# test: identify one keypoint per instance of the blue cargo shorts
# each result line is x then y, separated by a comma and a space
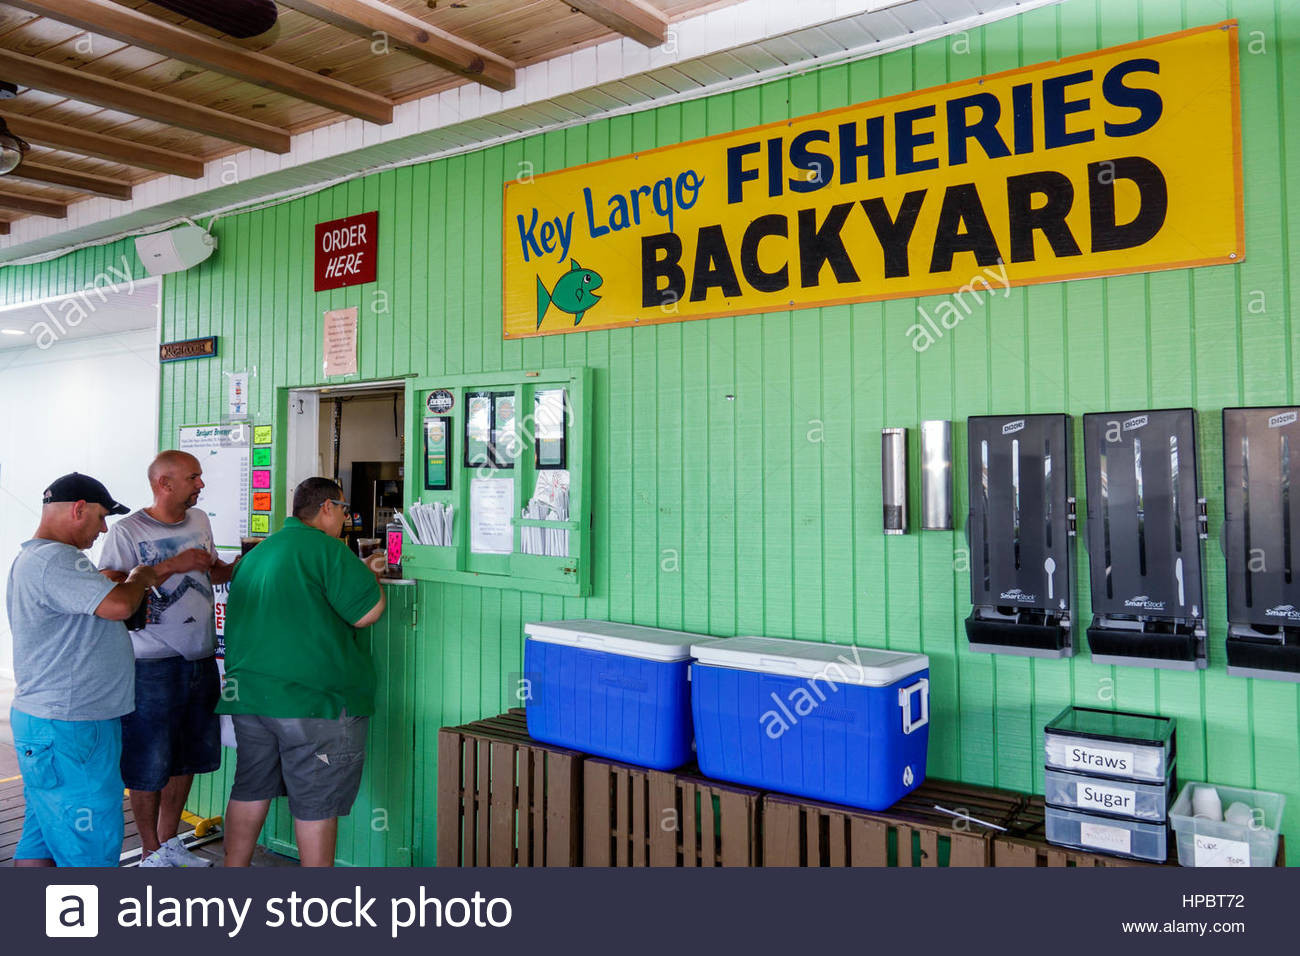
72, 784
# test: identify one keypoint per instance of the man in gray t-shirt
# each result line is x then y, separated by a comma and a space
173, 732
72, 659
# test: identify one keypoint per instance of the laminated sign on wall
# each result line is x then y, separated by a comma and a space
340, 356
1124, 160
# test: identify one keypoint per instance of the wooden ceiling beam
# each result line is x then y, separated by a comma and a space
112, 95
69, 139
37, 207
376, 21
81, 182
632, 18
131, 26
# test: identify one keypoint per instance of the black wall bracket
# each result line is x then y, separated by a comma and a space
1021, 530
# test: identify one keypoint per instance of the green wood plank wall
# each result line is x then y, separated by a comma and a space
759, 513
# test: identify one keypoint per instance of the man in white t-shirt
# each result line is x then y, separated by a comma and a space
173, 733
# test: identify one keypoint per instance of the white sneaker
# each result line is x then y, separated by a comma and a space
174, 852
156, 858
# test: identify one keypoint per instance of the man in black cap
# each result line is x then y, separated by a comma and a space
76, 674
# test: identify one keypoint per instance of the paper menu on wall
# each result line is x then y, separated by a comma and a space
491, 507
222, 451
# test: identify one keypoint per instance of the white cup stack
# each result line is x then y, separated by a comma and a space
1206, 804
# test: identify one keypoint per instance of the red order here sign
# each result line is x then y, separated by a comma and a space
345, 251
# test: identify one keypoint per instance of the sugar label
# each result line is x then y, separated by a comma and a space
1097, 759
1090, 796
1213, 851
1101, 837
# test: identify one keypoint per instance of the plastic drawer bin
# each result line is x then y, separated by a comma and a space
832, 722
613, 690
1108, 743
1112, 835
1120, 798
1203, 842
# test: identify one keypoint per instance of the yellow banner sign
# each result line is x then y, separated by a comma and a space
1124, 160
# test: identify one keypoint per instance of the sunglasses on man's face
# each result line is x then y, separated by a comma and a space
338, 503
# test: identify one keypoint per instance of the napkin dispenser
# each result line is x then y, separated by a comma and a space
1020, 530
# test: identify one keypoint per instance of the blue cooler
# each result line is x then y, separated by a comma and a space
614, 690
829, 721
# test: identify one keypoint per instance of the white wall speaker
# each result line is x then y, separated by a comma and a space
175, 250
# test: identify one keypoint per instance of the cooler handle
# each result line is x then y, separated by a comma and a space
905, 695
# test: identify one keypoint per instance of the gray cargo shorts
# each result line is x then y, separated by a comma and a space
316, 762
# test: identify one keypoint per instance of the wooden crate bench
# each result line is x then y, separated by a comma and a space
633, 816
802, 832
504, 799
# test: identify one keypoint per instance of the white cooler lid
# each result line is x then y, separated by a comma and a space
629, 640
864, 666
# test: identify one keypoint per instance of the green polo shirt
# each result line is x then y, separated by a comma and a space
291, 649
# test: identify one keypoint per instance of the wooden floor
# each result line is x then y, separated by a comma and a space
13, 806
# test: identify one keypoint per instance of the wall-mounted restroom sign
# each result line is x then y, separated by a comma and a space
440, 401
188, 349
345, 251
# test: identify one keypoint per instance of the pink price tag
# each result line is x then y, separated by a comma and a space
262, 479
394, 547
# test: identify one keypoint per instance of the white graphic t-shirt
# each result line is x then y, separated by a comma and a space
181, 621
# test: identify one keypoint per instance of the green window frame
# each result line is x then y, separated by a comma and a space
457, 563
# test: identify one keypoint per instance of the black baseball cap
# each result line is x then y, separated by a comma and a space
76, 487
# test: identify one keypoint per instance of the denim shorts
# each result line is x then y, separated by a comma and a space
173, 731
316, 761
72, 787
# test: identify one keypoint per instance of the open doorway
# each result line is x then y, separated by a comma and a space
353, 434
78, 392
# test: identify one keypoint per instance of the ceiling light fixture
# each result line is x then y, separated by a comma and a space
12, 332
12, 149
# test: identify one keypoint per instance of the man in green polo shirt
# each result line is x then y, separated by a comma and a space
299, 687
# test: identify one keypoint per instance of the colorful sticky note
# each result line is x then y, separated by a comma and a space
262, 479
261, 458
260, 524
261, 434
261, 501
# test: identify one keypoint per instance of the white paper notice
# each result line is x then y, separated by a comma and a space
1101, 837
1212, 851
341, 341
491, 507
